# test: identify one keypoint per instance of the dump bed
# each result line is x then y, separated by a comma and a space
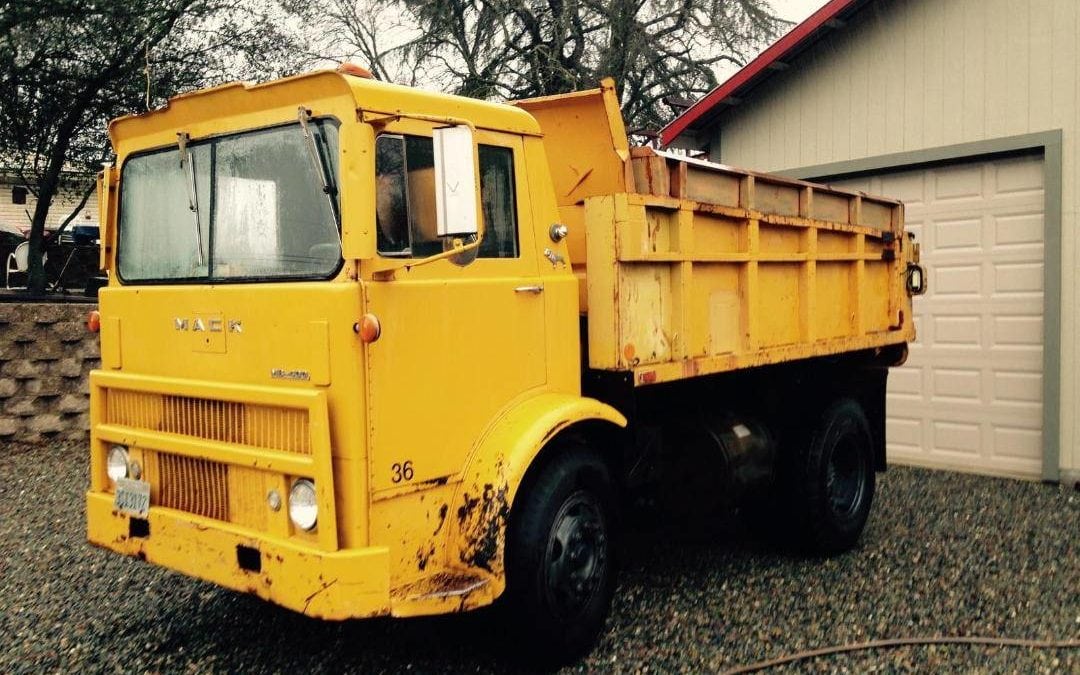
688, 267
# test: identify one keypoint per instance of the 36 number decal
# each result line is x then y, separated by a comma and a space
402, 471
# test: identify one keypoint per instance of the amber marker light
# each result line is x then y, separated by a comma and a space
369, 328
93, 321
353, 69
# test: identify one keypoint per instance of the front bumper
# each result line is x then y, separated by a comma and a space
342, 584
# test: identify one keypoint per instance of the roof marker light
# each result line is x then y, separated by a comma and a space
353, 69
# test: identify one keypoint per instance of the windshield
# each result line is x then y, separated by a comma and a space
258, 210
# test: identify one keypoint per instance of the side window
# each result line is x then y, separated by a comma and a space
498, 204
405, 198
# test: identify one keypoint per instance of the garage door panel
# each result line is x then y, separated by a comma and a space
1020, 331
1003, 359
964, 234
1023, 228
956, 183
961, 330
1019, 175
1018, 277
1017, 443
955, 437
969, 410
906, 432
967, 210
1002, 257
906, 381
909, 187
1014, 386
970, 395
963, 384
956, 279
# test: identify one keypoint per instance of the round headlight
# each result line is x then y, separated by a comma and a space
118, 462
303, 508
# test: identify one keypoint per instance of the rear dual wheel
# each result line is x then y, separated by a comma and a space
830, 479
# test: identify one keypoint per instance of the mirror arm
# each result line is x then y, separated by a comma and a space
386, 268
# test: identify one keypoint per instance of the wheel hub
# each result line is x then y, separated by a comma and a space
845, 478
576, 554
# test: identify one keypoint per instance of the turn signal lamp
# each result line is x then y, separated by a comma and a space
369, 328
93, 321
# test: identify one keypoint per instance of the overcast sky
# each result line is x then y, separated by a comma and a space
796, 10
792, 10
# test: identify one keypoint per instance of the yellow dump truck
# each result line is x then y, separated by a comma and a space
370, 350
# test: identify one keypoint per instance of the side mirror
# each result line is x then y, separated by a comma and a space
456, 202
106, 192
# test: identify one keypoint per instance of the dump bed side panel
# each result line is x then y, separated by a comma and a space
706, 268
695, 268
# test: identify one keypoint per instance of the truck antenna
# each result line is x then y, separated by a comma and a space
146, 69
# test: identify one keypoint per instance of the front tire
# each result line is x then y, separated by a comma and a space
560, 570
832, 488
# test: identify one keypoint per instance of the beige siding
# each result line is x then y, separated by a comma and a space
908, 75
63, 204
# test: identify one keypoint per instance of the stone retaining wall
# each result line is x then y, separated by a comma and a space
46, 355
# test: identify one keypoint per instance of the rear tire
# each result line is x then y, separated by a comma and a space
559, 558
831, 488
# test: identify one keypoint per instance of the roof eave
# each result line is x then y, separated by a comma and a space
762, 67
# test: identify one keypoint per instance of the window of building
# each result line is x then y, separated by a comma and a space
18, 194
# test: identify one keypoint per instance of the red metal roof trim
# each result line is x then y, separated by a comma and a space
777, 51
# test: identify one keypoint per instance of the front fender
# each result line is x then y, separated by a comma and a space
496, 468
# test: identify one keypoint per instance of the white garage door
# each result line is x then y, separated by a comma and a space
970, 396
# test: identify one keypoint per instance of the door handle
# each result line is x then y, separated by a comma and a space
535, 290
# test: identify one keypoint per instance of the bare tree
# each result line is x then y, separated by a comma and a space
373, 33
68, 66
655, 49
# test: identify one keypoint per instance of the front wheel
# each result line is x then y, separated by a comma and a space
832, 487
560, 569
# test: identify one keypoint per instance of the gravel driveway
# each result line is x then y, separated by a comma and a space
944, 554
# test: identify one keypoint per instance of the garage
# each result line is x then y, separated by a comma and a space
968, 113
970, 395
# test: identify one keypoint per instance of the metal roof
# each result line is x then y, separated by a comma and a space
714, 104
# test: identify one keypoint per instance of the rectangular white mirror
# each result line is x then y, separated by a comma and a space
455, 182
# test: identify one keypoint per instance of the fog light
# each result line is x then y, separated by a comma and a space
117, 466
303, 507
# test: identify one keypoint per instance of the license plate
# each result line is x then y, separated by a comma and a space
132, 497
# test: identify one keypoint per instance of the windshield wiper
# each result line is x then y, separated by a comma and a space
182, 139
315, 152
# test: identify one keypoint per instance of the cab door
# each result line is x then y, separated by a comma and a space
459, 342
